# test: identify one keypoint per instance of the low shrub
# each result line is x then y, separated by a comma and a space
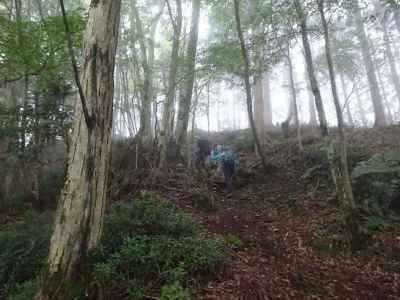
158, 256
377, 182
24, 291
317, 161
24, 249
150, 239
174, 291
233, 241
147, 215
147, 239
375, 224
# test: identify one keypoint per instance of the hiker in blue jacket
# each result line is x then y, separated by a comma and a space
227, 162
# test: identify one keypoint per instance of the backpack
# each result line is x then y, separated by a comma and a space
230, 157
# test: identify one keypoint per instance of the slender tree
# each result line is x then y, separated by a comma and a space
310, 68
167, 117
294, 99
79, 218
311, 104
259, 108
340, 169
380, 119
147, 62
246, 77
185, 97
394, 76
268, 101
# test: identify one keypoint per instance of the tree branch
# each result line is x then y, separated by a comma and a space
88, 117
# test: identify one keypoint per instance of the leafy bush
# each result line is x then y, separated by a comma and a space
146, 239
146, 256
149, 239
144, 216
24, 291
317, 160
375, 224
24, 248
377, 181
233, 241
174, 291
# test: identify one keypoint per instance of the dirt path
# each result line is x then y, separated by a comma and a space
282, 228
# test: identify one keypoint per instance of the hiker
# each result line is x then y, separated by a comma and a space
227, 162
203, 152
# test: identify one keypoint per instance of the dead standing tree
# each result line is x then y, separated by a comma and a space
80, 212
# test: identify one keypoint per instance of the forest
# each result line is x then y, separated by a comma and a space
199, 149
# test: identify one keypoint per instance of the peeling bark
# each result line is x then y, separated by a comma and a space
79, 217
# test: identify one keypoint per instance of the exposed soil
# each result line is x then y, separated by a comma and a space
284, 233
293, 243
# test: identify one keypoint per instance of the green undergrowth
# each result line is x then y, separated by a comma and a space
23, 250
146, 240
150, 239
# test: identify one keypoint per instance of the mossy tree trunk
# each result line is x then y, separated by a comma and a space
79, 217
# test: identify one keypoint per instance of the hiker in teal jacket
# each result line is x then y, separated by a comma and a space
227, 161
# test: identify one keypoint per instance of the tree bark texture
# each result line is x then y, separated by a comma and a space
259, 109
185, 97
167, 116
268, 101
79, 217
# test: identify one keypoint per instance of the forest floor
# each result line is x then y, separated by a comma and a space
289, 243
284, 229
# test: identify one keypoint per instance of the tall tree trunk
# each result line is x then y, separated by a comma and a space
392, 62
360, 105
268, 101
285, 126
346, 101
117, 111
18, 10
397, 18
167, 117
79, 218
294, 99
247, 84
147, 58
385, 97
310, 68
380, 119
311, 104
339, 168
259, 109
185, 97
192, 133
208, 107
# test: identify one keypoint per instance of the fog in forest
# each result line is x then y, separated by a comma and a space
199, 149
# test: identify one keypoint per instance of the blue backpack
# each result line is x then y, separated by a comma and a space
230, 157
